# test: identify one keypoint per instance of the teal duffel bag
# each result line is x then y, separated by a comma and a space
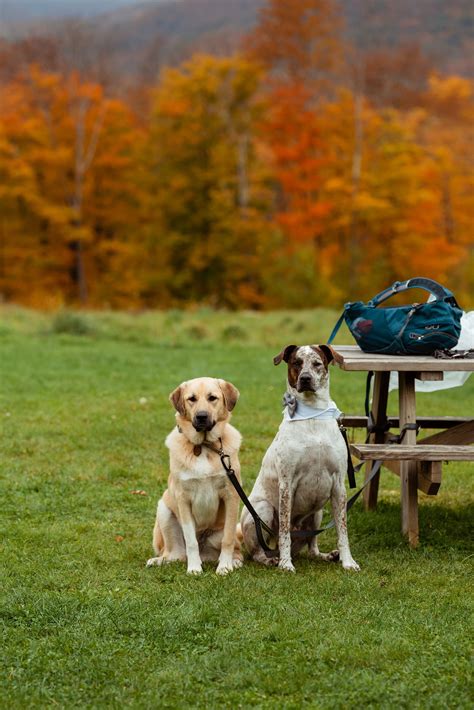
419, 329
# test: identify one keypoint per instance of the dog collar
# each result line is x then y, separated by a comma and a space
295, 410
197, 448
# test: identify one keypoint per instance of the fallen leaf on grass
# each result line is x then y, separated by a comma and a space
139, 493
119, 538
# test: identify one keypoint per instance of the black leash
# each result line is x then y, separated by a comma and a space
259, 523
350, 465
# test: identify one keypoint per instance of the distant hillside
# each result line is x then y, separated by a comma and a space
174, 30
444, 29
142, 36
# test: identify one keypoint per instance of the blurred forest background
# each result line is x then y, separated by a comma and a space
234, 153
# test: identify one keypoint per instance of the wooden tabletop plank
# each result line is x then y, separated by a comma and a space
355, 359
418, 452
357, 421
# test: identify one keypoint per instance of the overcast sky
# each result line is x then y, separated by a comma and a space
27, 9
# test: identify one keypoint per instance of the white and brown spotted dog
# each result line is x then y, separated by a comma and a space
305, 465
196, 518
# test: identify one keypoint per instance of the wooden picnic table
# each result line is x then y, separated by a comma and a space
417, 463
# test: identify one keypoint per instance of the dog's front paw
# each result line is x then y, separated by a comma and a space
332, 556
194, 569
351, 565
237, 563
262, 559
224, 568
286, 565
155, 561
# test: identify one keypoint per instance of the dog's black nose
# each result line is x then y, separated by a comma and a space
202, 421
305, 379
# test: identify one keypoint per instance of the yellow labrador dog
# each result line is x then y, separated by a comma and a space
196, 518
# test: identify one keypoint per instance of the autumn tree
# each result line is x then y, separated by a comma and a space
56, 136
31, 271
298, 42
299, 45
398, 207
396, 77
445, 134
208, 191
298, 155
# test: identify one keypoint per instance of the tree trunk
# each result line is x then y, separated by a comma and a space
79, 271
242, 170
356, 176
447, 208
84, 155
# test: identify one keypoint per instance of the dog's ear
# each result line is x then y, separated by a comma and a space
328, 353
177, 400
231, 394
284, 355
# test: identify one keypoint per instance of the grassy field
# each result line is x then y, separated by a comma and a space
84, 411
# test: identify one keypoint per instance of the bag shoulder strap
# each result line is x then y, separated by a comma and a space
439, 291
335, 329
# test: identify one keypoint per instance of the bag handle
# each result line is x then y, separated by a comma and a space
440, 292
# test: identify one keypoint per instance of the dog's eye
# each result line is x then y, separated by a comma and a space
316, 363
193, 398
298, 363
212, 398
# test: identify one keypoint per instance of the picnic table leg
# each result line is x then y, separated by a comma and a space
379, 411
408, 469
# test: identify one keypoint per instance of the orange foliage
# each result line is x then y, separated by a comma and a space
65, 156
298, 156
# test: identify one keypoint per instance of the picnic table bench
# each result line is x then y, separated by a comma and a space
419, 464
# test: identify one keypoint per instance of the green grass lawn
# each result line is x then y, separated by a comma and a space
84, 412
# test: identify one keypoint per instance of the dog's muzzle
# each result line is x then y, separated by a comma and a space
202, 421
305, 383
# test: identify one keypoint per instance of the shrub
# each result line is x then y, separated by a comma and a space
70, 323
196, 332
234, 332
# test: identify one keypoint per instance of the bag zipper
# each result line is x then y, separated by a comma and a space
415, 336
408, 318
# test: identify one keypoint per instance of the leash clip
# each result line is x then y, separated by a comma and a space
225, 460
